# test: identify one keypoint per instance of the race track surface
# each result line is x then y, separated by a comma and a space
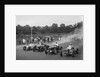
30, 55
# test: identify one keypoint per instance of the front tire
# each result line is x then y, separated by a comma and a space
77, 51
46, 52
61, 54
55, 52
33, 49
72, 55
24, 48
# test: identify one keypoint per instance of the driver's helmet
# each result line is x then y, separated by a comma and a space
30, 44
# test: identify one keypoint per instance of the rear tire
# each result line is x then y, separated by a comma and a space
46, 52
55, 52
24, 48
33, 49
73, 55
77, 51
29, 48
61, 54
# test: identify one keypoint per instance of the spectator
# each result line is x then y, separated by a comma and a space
56, 44
23, 41
70, 47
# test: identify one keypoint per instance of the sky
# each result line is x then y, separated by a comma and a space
43, 20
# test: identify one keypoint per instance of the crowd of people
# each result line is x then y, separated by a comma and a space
41, 41
36, 39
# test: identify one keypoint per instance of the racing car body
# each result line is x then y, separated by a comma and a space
70, 52
53, 50
40, 48
28, 47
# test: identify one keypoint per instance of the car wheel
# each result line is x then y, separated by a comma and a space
46, 52
77, 51
29, 48
55, 51
73, 55
33, 49
24, 48
61, 54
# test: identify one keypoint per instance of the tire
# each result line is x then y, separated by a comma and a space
33, 49
38, 49
43, 49
55, 52
46, 52
73, 55
29, 48
24, 48
61, 54
77, 51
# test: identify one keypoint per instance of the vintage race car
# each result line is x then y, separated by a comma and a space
53, 50
40, 48
70, 52
28, 47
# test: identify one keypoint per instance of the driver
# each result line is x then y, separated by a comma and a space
70, 47
56, 44
41, 42
30, 44
24, 41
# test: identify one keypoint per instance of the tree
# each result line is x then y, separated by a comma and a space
48, 29
18, 29
79, 24
34, 30
62, 28
26, 29
54, 28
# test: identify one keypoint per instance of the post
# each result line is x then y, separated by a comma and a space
31, 34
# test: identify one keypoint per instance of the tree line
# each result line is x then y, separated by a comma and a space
54, 28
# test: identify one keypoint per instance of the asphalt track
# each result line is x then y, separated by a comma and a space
30, 55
